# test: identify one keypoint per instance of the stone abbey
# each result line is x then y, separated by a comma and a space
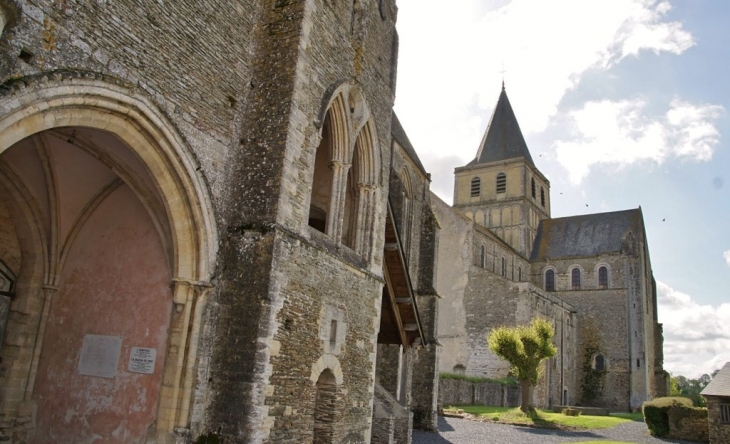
213, 228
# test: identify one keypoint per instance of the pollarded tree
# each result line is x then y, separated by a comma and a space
524, 347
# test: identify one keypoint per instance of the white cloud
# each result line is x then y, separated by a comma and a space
451, 58
726, 255
619, 133
696, 337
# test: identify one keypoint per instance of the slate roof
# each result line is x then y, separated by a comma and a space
503, 139
720, 384
399, 134
586, 235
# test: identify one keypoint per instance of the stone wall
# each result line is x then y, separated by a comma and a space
462, 392
245, 83
392, 423
719, 432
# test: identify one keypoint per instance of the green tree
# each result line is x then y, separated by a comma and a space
524, 347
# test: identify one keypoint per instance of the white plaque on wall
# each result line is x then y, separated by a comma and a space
142, 360
100, 355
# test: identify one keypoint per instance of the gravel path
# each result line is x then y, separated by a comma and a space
464, 431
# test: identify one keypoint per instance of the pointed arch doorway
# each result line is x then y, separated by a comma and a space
109, 234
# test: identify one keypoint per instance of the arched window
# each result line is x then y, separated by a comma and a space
575, 278
476, 187
459, 369
321, 194
501, 183
533, 187
345, 176
550, 280
599, 363
483, 257
325, 407
542, 196
504, 267
603, 278
407, 210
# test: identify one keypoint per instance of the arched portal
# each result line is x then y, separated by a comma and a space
114, 245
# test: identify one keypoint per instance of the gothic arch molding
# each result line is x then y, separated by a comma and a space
170, 164
145, 131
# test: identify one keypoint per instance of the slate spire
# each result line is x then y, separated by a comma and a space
503, 139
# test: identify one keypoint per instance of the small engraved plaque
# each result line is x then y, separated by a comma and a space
142, 360
100, 356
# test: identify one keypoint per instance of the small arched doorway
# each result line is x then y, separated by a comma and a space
325, 408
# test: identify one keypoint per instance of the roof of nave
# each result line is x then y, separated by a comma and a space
720, 384
399, 134
503, 139
586, 235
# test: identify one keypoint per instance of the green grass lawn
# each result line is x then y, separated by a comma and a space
547, 419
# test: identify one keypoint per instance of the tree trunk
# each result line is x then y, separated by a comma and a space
526, 388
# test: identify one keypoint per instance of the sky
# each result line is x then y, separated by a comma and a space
623, 103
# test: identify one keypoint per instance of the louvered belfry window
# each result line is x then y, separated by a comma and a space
476, 187
501, 183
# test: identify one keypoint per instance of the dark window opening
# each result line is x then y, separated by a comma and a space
501, 183
533, 188
333, 332
504, 267
603, 278
317, 218
542, 196
519, 274
476, 187
600, 363
550, 280
575, 278
483, 257
725, 413
638, 363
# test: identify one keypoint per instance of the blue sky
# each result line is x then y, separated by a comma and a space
623, 103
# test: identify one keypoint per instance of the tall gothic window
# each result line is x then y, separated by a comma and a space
321, 196
519, 274
345, 175
550, 280
504, 267
575, 278
501, 183
483, 257
476, 187
603, 278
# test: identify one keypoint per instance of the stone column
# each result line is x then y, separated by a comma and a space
364, 219
424, 385
335, 214
9, 14
179, 377
25, 409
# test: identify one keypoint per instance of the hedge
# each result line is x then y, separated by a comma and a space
656, 413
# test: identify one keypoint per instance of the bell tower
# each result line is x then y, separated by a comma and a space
502, 189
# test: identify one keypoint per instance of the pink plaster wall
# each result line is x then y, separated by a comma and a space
115, 282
